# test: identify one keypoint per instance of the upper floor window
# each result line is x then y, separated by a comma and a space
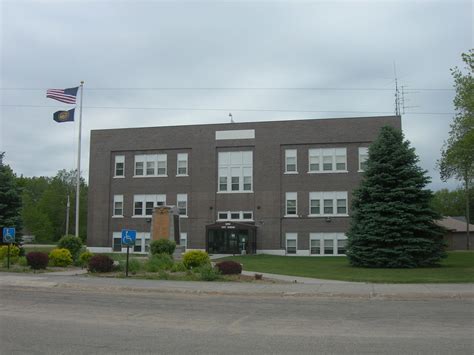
291, 204
119, 170
118, 206
363, 156
182, 164
330, 203
143, 205
291, 161
327, 160
182, 204
150, 165
235, 215
235, 171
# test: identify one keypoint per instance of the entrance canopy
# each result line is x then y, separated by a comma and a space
231, 238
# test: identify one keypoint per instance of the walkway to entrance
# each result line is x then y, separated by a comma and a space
231, 238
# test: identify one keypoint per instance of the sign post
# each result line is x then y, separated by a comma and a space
8, 237
128, 238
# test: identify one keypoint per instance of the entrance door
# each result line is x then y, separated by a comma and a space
227, 241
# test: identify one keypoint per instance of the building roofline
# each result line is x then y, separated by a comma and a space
249, 122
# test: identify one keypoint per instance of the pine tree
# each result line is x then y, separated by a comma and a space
10, 198
392, 221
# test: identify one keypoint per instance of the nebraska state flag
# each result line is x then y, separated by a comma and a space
64, 116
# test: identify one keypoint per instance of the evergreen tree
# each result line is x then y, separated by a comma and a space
10, 198
392, 221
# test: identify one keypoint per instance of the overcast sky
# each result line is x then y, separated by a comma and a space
117, 47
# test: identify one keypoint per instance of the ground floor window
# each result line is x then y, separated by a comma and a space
183, 240
327, 243
142, 242
291, 243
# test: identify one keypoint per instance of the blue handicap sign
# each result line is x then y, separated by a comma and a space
128, 236
8, 235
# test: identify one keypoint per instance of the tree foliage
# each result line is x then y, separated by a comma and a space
392, 221
10, 198
457, 154
44, 205
452, 203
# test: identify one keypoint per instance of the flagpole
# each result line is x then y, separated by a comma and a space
78, 182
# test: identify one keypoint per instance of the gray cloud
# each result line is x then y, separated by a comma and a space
223, 44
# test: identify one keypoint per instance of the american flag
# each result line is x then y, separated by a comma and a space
67, 96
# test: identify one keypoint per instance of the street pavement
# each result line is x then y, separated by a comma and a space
45, 318
285, 286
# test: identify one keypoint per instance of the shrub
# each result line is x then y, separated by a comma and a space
60, 257
229, 267
100, 263
178, 267
22, 261
14, 252
37, 260
71, 243
208, 273
84, 258
159, 262
162, 246
134, 266
195, 258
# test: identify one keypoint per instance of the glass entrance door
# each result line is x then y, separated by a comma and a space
227, 241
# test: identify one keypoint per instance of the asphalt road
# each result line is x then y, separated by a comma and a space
62, 321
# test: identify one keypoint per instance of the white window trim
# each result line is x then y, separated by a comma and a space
178, 196
150, 157
119, 159
336, 196
117, 198
155, 198
321, 162
183, 235
291, 236
228, 168
326, 236
241, 216
286, 205
289, 154
177, 164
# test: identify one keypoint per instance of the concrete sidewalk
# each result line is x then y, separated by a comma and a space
324, 289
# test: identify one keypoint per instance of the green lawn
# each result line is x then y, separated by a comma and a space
456, 268
42, 248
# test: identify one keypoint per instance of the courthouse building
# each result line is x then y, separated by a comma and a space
282, 188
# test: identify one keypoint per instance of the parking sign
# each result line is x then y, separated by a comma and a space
129, 236
8, 235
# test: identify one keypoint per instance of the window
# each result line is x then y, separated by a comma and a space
143, 205
315, 247
182, 164
291, 161
327, 160
327, 244
291, 243
291, 204
119, 166
333, 203
150, 165
328, 206
235, 171
235, 215
183, 240
161, 158
117, 241
314, 207
137, 248
118, 206
182, 204
314, 160
363, 156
